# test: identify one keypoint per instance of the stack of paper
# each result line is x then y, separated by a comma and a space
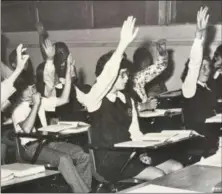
6, 175
137, 144
21, 170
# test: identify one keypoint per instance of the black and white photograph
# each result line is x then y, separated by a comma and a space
111, 96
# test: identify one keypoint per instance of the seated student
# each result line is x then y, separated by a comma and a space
7, 87
70, 159
215, 82
114, 116
200, 101
50, 78
142, 59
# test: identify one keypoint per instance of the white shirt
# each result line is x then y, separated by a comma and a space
217, 73
22, 111
196, 55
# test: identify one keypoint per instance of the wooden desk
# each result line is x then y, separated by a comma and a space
197, 178
20, 180
215, 119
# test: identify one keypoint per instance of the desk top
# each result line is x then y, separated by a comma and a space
17, 180
197, 178
215, 119
160, 112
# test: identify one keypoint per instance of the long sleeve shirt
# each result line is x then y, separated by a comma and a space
189, 86
141, 78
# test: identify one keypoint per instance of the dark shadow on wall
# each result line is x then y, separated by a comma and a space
210, 36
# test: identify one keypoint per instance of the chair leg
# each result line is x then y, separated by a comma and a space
38, 150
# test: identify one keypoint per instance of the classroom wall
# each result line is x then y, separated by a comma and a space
88, 45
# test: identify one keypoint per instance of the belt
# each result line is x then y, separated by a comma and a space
30, 143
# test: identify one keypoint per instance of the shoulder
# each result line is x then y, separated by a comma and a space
20, 112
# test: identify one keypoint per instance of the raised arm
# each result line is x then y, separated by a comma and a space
146, 75
64, 98
7, 88
106, 79
196, 55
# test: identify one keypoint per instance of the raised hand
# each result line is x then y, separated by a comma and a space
128, 31
49, 49
161, 46
21, 58
70, 65
202, 19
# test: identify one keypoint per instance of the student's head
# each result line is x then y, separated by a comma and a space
27, 93
217, 58
60, 58
142, 58
205, 70
123, 74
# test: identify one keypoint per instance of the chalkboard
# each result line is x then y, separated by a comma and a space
186, 11
113, 13
17, 16
65, 15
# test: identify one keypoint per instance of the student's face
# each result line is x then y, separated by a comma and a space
204, 71
218, 62
122, 79
28, 93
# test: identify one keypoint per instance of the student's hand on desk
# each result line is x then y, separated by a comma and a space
128, 31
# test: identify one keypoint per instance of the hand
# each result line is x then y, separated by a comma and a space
144, 158
161, 46
49, 49
128, 31
152, 103
71, 65
36, 98
202, 19
21, 58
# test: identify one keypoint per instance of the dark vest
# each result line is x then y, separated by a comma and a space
110, 125
198, 108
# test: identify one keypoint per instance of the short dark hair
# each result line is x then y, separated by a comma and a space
125, 63
140, 55
218, 52
61, 55
185, 71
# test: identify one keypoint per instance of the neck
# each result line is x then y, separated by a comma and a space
113, 91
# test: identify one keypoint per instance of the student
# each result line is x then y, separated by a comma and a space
142, 59
50, 78
200, 101
30, 109
114, 116
8, 89
215, 81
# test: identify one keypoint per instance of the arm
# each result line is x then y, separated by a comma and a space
196, 55
105, 81
134, 129
148, 74
64, 98
7, 88
28, 124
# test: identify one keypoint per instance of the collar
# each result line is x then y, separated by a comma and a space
204, 85
112, 97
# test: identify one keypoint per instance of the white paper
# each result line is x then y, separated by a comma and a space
137, 144
215, 119
159, 189
159, 112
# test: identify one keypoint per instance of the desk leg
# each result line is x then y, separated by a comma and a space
128, 161
38, 150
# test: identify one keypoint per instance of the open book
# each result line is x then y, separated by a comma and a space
64, 126
10, 171
169, 135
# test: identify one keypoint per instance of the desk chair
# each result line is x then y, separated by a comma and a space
112, 186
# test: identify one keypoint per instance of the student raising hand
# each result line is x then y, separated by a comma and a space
21, 57
49, 49
202, 21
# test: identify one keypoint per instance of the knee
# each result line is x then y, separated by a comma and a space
176, 166
64, 159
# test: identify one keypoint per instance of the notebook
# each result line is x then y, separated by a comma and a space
6, 175
137, 144
21, 170
62, 126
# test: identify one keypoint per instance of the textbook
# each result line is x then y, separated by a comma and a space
10, 171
